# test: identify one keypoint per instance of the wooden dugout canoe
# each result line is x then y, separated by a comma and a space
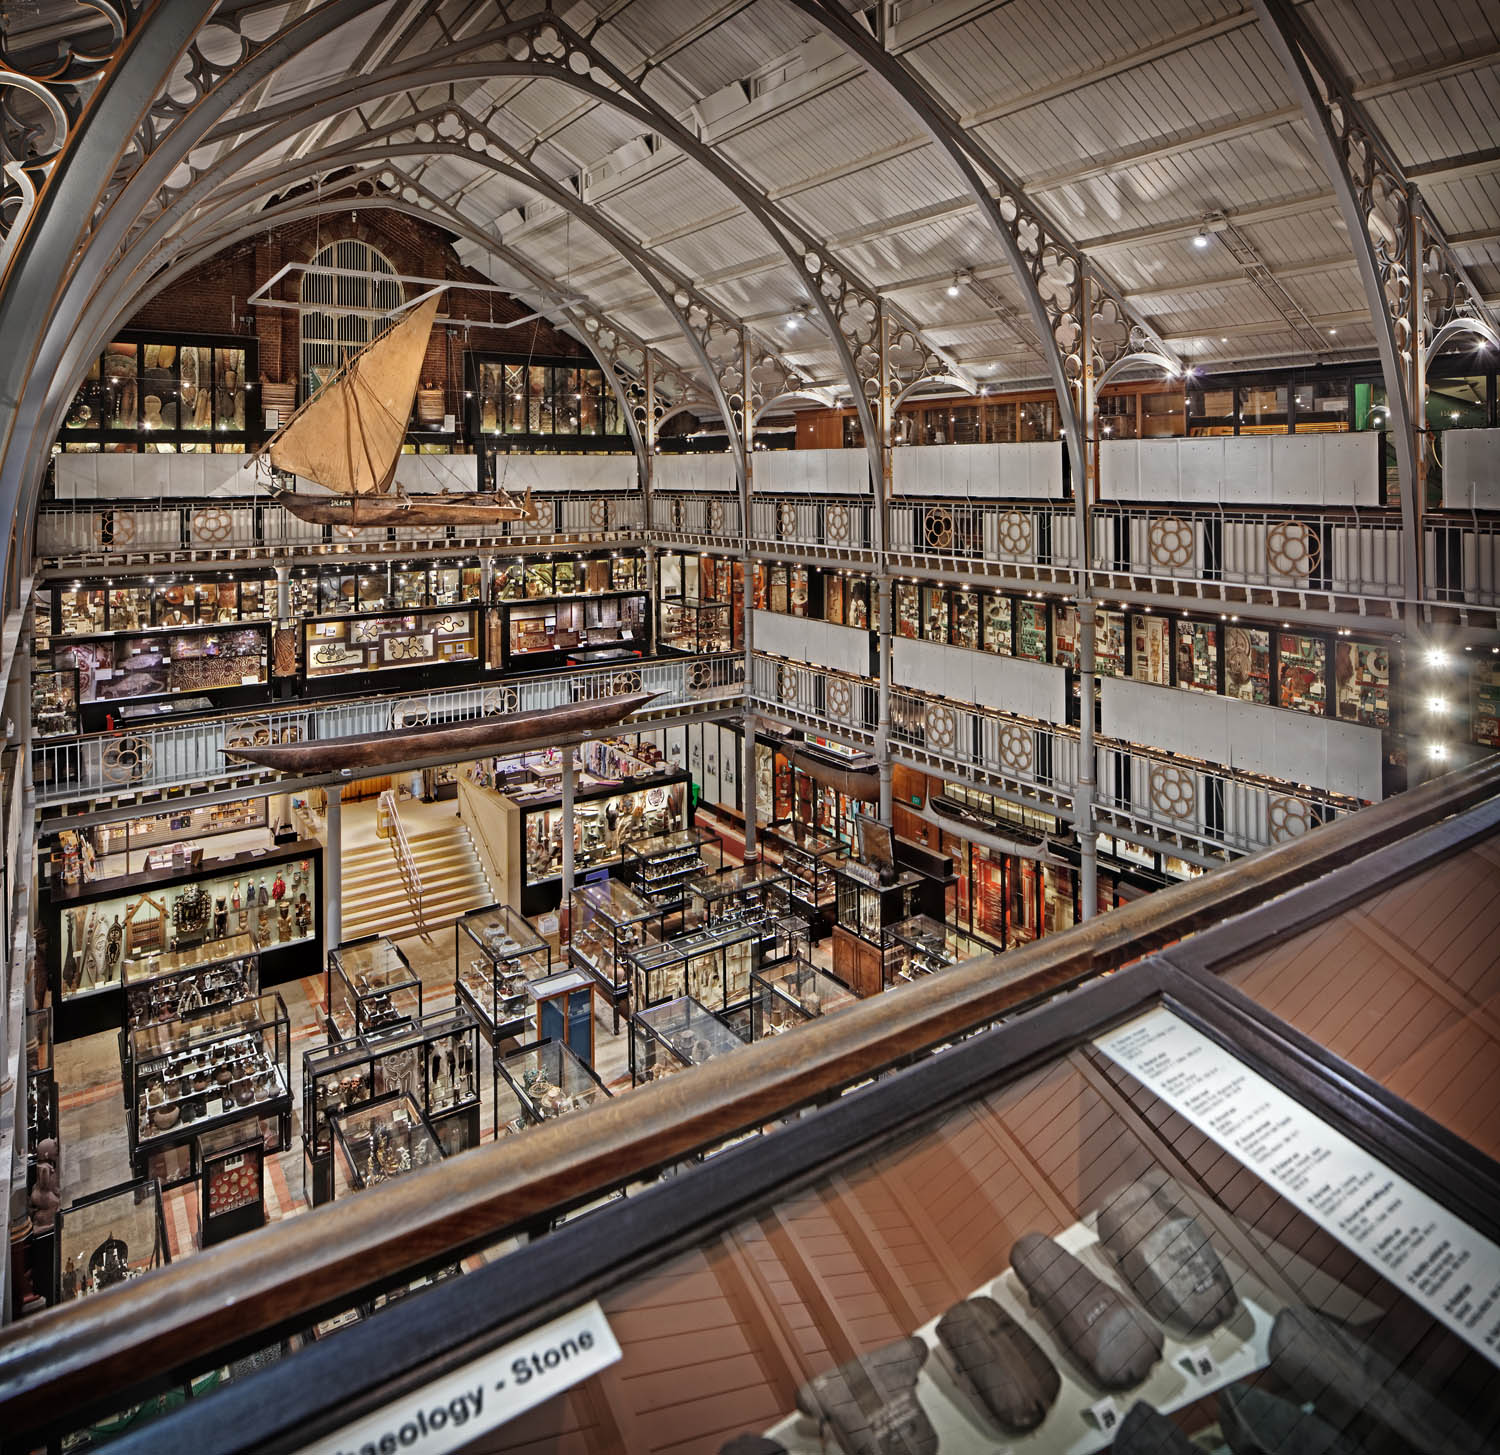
359, 512
432, 740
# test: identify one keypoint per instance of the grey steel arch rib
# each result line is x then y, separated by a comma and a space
1384, 218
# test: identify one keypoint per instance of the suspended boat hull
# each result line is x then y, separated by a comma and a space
360, 512
433, 740
860, 784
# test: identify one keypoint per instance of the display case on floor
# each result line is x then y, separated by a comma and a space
668, 1038
658, 867
381, 1141
371, 987
162, 922
923, 945
497, 951
434, 1060
110, 1238
185, 1078
231, 1184
607, 921
863, 956
713, 965
745, 893
171, 994
812, 860
565, 1010
542, 1082
788, 995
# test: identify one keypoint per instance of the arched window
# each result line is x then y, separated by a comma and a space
331, 328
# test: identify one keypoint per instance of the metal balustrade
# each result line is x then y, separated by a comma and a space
1007, 538
847, 707
1350, 552
173, 755
104, 530
1462, 558
834, 526
715, 516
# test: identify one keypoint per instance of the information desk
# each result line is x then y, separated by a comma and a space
110, 1238
381, 1141
784, 996
371, 987
668, 1038
544, 1081
496, 952
435, 1060
607, 921
185, 1078
924, 945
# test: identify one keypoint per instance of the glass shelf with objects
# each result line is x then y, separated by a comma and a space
156, 923
496, 952
434, 1060
670, 1037
170, 995
785, 996
54, 703
658, 867
536, 634
607, 921
925, 945
863, 955
695, 626
208, 599
811, 860
713, 965
110, 1238
740, 895
545, 1081
381, 1141
339, 590
230, 1066
370, 987
336, 646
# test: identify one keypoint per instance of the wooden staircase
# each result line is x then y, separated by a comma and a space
376, 901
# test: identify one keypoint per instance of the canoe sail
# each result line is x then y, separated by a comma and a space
347, 437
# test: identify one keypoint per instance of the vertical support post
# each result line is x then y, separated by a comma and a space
1083, 489
283, 593
486, 579
747, 585
648, 443
333, 869
750, 786
1417, 395
880, 485
568, 785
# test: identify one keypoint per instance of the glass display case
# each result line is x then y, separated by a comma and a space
811, 860
544, 633
54, 703
110, 1238
497, 951
789, 995
435, 1061
740, 895
695, 626
166, 923
545, 1081
607, 921
162, 661
172, 994
380, 1141
863, 955
925, 945
231, 1184
371, 987
336, 646
187, 1077
565, 1010
659, 866
668, 1038
713, 965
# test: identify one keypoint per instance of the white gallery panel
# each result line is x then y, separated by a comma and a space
694, 472
1471, 469
1008, 684
1246, 471
818, 643
800, 472
551, 473
1031, 471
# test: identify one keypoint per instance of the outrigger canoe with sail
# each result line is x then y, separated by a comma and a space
347, 438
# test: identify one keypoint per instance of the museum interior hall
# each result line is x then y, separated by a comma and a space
826, 673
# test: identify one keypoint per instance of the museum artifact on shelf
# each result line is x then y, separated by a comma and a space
787, 995
713, 965
811, 860
496, 952
218, 1068
545, 1080
435, 1060
382, 1140
370, 987
670, 1037
110, 1238
168, 995
659, 866
923, 945
608, 921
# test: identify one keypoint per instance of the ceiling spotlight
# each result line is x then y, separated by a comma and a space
953, 287
1200, 240
1331, 332
792, 321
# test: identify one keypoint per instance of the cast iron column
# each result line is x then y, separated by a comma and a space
333, 872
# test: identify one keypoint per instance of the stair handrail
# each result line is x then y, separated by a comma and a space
406, 865
484, 849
